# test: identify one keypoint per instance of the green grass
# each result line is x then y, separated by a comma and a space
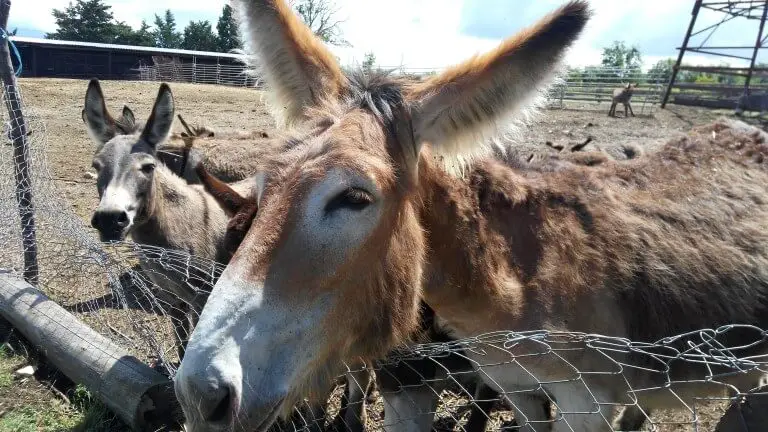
6, 360
31, 407
54, 417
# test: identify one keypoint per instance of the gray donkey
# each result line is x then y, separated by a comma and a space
141, 198
622, 96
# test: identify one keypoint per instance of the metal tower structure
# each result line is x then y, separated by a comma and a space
730, 10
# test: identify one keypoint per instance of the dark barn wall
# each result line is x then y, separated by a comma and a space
88, 62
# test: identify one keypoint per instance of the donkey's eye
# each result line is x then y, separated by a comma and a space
352, 199
96, 165
147, 168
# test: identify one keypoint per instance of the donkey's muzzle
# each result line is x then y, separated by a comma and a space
111, 224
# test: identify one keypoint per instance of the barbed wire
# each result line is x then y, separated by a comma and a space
121, 290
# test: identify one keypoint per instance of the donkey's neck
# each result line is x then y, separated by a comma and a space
180, 217
465, 260
493, 251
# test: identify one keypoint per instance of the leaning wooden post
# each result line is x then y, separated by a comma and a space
18, 134
142, 397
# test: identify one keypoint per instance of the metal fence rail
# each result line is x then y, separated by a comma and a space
231, 75
589, 86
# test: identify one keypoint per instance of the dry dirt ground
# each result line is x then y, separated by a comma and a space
58, 104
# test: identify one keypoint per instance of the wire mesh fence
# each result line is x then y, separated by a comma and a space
145, 298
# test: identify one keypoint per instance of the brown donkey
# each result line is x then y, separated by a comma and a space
409, 401
359, 220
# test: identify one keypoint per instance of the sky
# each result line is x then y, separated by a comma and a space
433, 34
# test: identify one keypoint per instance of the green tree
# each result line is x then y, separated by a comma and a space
760, 78
199, 36
84, 21
627, 60
125, 35
228, 37
369, 61
320, 16
661, 72
165, 33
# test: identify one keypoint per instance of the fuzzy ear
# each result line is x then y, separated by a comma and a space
159, 124
229, 200
99, 123
128, 116
458, 110
298, 68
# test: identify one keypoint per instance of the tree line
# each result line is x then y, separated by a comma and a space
93, 21
622, 63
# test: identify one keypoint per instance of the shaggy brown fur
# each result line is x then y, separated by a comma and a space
230, 155
552, 157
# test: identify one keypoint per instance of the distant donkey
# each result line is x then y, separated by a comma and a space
622, 96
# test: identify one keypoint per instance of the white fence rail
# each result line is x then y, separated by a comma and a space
232, 75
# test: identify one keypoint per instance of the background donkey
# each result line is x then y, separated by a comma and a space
230, 155
141, 198
622, 96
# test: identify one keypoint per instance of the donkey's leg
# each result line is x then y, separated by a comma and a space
578, 407
358, 383
630, 109
632, 418
315, 416
626, 114
410, 409
532, 412
485, 398
612, 109
410, 402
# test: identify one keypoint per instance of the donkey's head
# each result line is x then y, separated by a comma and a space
331, 267
125, 160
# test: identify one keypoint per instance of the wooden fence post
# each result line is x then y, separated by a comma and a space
18, 135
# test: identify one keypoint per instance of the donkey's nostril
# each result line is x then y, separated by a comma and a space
221, 411
122, 219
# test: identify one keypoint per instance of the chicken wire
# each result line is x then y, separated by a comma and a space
104, 285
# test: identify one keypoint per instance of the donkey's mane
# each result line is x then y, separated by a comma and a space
128, 128
377, 92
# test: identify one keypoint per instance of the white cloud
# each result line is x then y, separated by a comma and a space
427, 33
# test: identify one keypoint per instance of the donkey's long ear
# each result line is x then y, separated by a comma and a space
228, 198
98, 122
128, 116
298, 68
158, 125
459, 109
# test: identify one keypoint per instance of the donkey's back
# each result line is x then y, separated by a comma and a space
674, 242
679, 242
